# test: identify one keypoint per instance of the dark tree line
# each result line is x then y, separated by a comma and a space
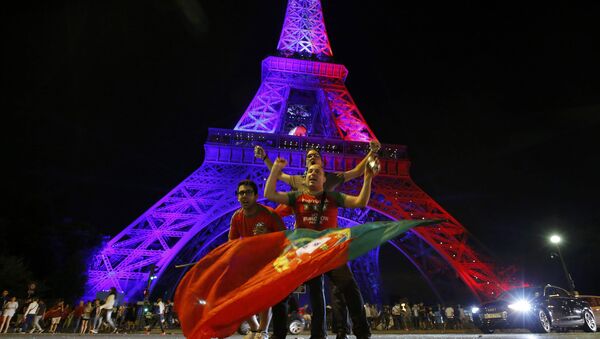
36, 247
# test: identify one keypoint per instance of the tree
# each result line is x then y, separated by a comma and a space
14, 274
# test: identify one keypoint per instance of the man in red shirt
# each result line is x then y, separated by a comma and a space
250, 220
77, 313
317, 209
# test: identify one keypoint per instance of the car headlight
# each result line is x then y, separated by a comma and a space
474, 309
521, 306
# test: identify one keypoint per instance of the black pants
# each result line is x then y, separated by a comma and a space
397, 321
279, 317
156, 318
339, 310
345, 288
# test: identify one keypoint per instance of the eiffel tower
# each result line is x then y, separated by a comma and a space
302, 102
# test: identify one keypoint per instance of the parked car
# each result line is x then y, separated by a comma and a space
538, 309
594, 302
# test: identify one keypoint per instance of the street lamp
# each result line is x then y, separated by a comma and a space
555, 239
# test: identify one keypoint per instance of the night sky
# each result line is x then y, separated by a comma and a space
106, 107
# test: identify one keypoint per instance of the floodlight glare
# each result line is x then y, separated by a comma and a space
521, 305
555, 239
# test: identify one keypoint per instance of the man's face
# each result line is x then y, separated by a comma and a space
246, 196
313, 158
4, 293
315, 177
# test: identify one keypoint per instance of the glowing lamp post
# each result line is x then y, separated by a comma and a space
555, 239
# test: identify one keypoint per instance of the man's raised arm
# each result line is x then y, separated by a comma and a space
361, 200
270, 192
260, 153
357, 171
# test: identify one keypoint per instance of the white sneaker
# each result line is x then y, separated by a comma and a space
262, 335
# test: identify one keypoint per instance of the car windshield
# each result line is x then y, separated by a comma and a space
523, 293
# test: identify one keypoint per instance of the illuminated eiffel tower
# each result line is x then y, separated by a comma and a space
302, 102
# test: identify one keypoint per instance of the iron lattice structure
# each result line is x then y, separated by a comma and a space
314, 92
304, 30
301, 103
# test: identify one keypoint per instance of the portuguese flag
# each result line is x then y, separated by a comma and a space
245, 276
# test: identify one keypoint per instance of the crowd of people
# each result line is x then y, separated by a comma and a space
403, 316
418, 316
32, 314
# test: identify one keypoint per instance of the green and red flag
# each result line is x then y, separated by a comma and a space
246, 276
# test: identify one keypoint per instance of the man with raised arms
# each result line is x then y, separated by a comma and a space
317, 209
313, 157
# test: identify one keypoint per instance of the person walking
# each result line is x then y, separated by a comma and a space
461, 317
438, 318
121, 310
404, 316
396, 315
39, 316
56, 314
77, 313
158, 315
96, 319
107, 309
8, 311
415, 316
30, 314
169, 309
85, 317
449, 312
5, 298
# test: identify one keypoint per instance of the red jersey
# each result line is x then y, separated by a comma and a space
244, 226
78, 311
306, 209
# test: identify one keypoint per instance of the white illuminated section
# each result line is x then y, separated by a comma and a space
521, 306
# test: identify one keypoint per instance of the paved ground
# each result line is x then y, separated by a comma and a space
452, 335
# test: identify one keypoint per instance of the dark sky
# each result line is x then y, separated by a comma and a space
107, 106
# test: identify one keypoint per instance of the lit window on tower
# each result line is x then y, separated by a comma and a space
300, 112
